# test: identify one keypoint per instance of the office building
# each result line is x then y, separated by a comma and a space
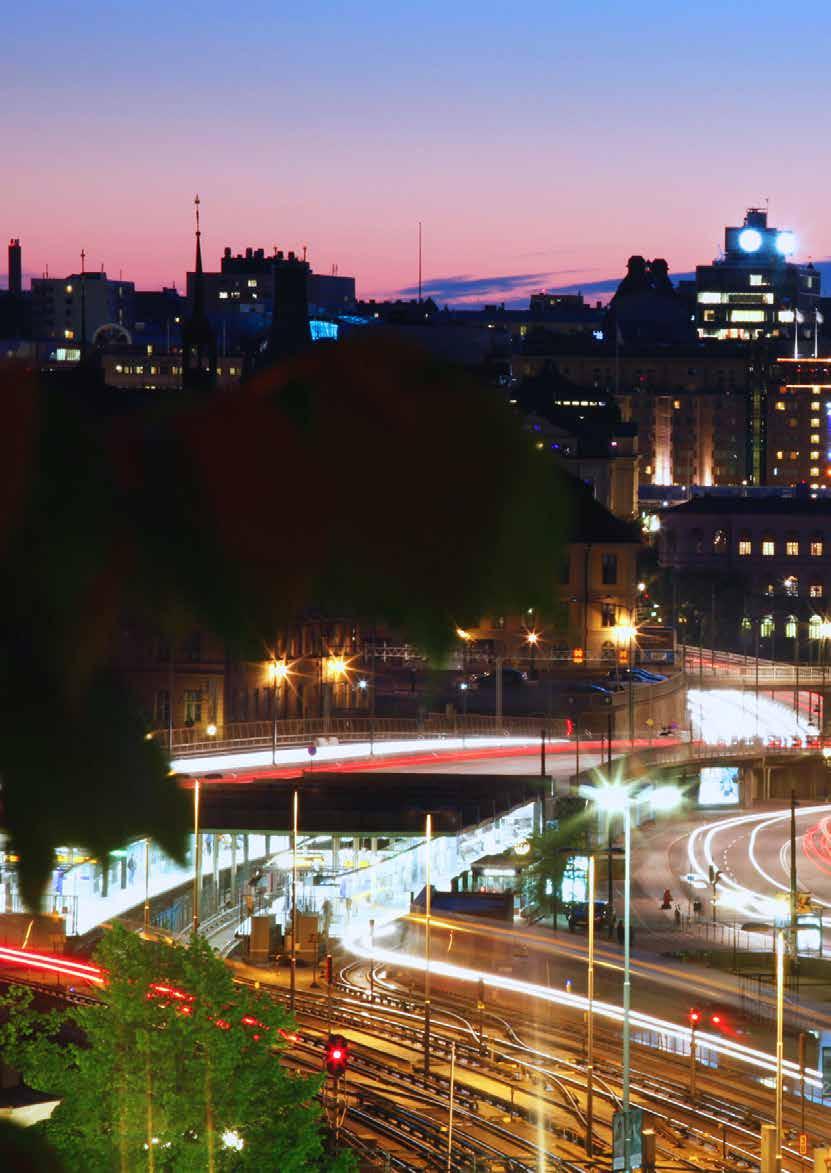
754, 291
239, 299
799, 422
81, 309
773, 547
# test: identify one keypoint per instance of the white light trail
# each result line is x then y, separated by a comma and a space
346, 751
739, 896
759, 1060
727, 715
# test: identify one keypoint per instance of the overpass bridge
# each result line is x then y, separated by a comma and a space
711, 668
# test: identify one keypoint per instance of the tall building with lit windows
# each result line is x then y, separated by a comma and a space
753, 290
799, 423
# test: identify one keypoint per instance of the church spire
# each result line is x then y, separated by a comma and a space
198, 342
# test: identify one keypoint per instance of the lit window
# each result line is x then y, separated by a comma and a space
768, 589
815, 405
747, 315
720, 541
745, 623
768, 547
708, 297
792, 547
676, 403
252, 282
223, 295
756, 279
816, 546
785, 315
814, 627
814, 471
815, 590
815, 437
814, 454
766, 627
68, 288
232, 370
745, 545
790, 627
119, 368
780, 405
780, 455
69, 333
791, 585
815, 421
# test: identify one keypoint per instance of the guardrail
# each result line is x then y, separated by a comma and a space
305, 731
707, 663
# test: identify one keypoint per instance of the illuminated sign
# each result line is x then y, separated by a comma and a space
718, 786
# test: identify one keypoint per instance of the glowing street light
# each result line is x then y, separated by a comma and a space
532, 638
617, 798
278, 673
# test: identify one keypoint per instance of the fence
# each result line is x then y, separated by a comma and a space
242, 735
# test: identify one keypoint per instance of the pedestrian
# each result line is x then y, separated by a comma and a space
677, 916
620, 932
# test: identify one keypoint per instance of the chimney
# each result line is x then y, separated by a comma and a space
15, 267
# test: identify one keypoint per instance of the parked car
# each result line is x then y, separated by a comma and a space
511, 678
636, 675
578, 914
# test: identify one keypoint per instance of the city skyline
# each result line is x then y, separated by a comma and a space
536, 154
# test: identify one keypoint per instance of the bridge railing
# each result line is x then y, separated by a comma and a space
248, 735
708, 663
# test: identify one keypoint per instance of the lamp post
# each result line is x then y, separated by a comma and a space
625, 635
780, 1015
428, 834
278, 671
293, 970
147, 883
590, 1020
618, 798
532, 638
197, 857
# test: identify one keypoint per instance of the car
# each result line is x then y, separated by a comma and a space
604, 689
578, 914
511, 678
636, 675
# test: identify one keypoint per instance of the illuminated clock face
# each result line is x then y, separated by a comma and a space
750, 241
785, 243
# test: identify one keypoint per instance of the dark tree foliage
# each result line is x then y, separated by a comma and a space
552, 847
363, 478
178, 1058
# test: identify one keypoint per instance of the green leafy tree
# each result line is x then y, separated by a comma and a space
550, 852
364, 478
179, 1068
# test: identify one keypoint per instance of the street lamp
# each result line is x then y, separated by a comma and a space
624, 635
619, 799
278, 671
197, 857
532, 638
428, 836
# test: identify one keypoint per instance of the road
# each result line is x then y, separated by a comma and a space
752, 852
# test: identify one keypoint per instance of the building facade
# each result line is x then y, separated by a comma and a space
778, 548
76, 309
753, 290
597, 592
799, 423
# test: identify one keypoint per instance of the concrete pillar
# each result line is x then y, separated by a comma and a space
335, 852
233, 867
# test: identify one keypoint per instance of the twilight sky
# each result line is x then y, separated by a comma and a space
540, 143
